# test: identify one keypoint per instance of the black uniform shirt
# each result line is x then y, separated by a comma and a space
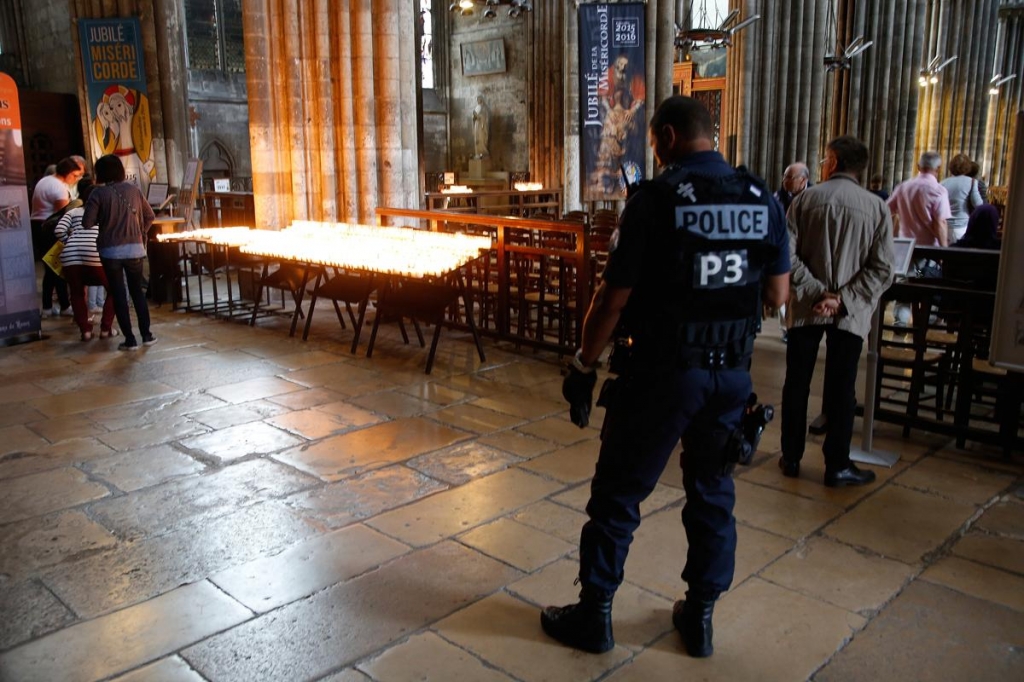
627, 256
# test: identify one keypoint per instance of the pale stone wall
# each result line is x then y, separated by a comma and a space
504, 93
52, 64
332, 108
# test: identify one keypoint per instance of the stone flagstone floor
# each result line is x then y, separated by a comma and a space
232, 504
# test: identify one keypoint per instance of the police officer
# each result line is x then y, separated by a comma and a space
696, 252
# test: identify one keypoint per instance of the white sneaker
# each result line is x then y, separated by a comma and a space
55, 311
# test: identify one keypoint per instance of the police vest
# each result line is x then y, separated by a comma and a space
713, 237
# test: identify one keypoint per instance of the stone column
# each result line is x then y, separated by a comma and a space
170, 50
546, 82
571, 135
332, 105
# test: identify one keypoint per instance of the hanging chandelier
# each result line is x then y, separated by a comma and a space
490, 8
706, 37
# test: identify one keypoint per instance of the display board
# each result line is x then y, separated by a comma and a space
19, 302
1007, 349
903, 252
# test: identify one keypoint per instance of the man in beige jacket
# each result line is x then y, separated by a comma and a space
840, 238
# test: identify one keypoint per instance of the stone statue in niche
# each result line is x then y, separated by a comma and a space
481, 129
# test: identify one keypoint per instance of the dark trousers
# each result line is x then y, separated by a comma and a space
79, 277
52, 282
118, 270
41, 243
842, 355
647, 417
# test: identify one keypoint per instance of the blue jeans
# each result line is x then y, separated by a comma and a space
118, 271
648, 415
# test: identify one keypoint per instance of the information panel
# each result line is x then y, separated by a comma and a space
19, 304
1008, 323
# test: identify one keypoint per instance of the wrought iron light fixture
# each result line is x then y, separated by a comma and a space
930, 73
998, 80
842, 59
706, 37
490, 8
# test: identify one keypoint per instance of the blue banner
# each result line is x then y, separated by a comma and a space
613, 85
19, 302
115, 80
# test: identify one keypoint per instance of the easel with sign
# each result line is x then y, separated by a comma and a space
189, 191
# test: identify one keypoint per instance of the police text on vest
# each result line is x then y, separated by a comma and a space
743, 221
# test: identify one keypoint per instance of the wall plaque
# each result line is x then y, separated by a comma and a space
483, 57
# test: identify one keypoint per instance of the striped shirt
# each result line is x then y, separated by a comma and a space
79, 243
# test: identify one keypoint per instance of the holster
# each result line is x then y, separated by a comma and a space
714, 453
605, 397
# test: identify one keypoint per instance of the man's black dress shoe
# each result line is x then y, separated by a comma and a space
851, 475
790, 469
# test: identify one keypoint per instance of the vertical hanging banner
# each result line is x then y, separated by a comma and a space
19, 304
115, 80
613, 85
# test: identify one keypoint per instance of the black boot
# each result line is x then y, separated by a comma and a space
692, 618
586, 625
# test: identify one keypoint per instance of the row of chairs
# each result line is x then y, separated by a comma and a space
933, 371
542, 279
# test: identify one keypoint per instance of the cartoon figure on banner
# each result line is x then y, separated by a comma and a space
122, 127
621, 130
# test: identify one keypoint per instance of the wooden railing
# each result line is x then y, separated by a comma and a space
533, 287
519, 203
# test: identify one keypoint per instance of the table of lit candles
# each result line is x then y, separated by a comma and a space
397, 257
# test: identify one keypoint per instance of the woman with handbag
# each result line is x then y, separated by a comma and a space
81, 266
123, 217
963, 195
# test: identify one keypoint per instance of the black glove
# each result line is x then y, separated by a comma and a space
578, 389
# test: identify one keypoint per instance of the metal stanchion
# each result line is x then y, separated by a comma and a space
865, 454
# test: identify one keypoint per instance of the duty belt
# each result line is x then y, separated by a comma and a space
727, 356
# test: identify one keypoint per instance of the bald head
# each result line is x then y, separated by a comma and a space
794, 180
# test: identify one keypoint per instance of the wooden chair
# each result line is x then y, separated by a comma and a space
990, 395
907, 365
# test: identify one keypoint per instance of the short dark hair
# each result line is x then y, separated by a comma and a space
688, 117
851, 154
85, 188
67, 166
109, 169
